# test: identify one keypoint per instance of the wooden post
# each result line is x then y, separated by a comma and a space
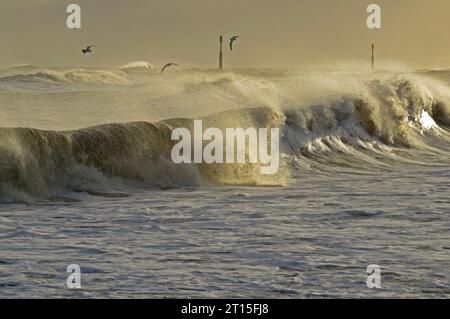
373, 57
221, 54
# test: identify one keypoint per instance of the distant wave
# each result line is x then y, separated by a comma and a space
21, 68
69, 77
39, 75
136, 66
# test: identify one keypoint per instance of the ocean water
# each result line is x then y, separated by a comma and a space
86, 178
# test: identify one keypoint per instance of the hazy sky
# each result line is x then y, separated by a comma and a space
273, 33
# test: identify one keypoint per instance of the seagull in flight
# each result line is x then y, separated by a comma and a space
88, 49
168, 65
232, 41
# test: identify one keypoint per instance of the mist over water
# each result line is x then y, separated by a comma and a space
85, 166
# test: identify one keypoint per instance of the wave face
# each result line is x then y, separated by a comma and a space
329, 123
41, 163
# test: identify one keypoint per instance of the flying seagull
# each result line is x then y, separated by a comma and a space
88, 49
167, 65
232, 41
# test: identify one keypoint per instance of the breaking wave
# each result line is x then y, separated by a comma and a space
81, 76
42, 163
26, 73
137, 66
387, 120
